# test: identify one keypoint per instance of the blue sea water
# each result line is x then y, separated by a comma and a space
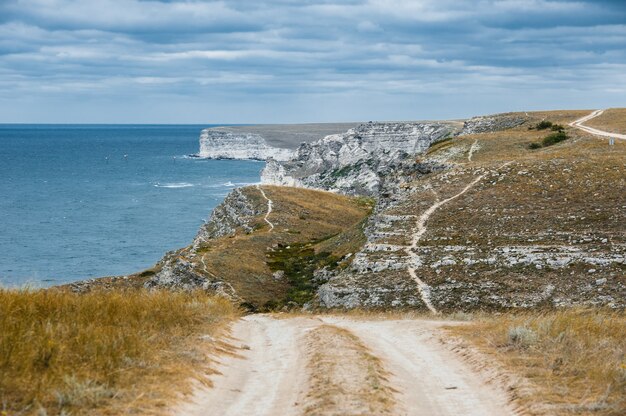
81, 201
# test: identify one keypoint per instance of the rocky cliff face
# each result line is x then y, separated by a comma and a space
355, 162
236, 212
183, 268
219, 143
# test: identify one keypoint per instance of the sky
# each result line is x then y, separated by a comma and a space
287, 61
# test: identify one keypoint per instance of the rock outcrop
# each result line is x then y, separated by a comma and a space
487, 124
220, 143
180, 269
236, 212
355, 162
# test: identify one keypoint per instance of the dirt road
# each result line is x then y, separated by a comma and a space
290, 366
579, 125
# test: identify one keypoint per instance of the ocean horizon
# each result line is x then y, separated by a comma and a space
79, 201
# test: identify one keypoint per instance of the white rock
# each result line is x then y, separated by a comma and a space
222, 144
350, 162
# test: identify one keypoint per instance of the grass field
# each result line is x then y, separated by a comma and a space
573, 360
115, 352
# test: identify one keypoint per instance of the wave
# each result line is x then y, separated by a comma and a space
230, 184
173, 185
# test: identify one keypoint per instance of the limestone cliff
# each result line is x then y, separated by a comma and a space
220, 143
355, 162
490, 124
524, 235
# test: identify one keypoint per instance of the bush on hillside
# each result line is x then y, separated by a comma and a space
557, 127
554, 138
544, 124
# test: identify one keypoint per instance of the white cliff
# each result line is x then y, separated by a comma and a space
353, 162
219, 143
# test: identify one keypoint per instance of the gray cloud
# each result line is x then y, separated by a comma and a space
271, 61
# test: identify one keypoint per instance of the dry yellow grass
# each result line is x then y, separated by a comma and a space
115, 352
575, 360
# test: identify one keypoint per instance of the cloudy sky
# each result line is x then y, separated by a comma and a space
246, 61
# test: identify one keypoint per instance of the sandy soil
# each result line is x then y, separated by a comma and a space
277, 371
430, 379
265, 378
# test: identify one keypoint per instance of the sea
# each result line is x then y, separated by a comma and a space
84, 201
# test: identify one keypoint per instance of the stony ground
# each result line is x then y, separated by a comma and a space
539, 228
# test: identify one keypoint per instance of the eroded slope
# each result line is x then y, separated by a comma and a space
540, 227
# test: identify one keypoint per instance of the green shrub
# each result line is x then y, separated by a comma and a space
554, 138
557, 127
534, 146
544, 124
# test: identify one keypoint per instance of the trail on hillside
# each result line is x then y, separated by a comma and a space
579, 125
474, 147
301, 366
270, 204
420, 229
